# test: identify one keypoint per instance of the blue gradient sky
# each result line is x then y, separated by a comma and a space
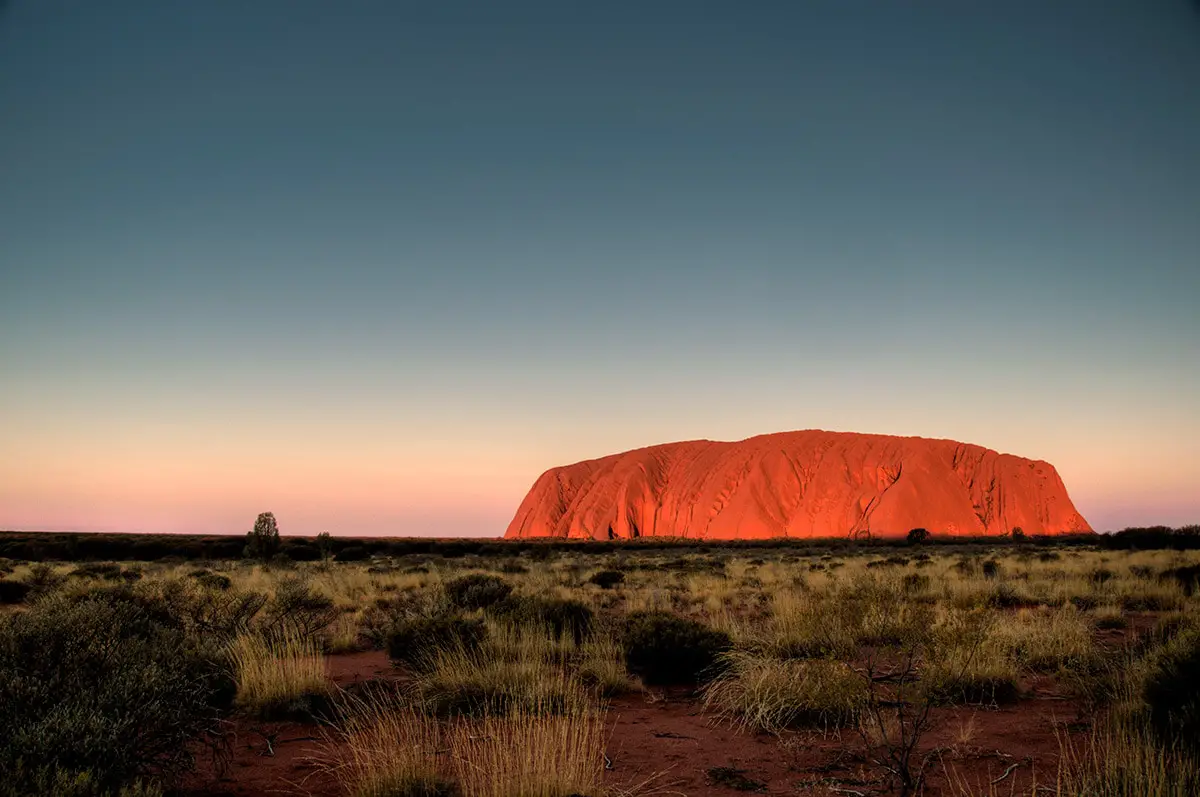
375, 266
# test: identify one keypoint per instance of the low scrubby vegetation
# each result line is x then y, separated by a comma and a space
117, 672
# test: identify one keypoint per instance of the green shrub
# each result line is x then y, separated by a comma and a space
416, 641
664, 648
557, 616
477, 591
100, 690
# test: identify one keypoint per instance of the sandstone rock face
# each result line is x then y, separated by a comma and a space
799, 484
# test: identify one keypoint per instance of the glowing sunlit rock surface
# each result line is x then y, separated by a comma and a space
799, 484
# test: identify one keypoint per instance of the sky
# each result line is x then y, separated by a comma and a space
375, 266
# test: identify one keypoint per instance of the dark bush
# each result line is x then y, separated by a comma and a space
1084, 602
302, 552
915, 582
607, 579
918, 536
477, 590
13, 591
351, 553
513, 567
1004, 596
664, 648
1100, 575
1172, 693
101, 690
557, 616
299, 609
1187, 577
43, 578
110, 571
990, 569
213, 580
415, 641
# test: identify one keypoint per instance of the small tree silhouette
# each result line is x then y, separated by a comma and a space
325, 544
263, 542
918, 536
1018, 534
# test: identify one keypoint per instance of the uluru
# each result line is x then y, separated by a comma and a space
804, 484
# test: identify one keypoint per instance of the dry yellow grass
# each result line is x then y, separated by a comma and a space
271, 673
386, 749
474, 683
770, 694
531, 754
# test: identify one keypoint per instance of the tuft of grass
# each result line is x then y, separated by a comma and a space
1047, 640
531, 754
388, 749
460, 683
805, 626
602, 666
1122, 762
768, 694
972, 675
279, 676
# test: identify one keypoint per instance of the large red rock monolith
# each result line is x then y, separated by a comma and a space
799, 484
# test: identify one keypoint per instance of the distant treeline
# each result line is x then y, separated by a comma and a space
55, 546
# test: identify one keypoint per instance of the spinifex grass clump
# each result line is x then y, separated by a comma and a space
459, 683
1046, 640
531, 754
1124, 762
284, 675
769, 694
973, 675
802, 625
601, 664
386, 748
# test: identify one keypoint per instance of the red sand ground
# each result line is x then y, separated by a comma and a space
663, 739
799, 484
